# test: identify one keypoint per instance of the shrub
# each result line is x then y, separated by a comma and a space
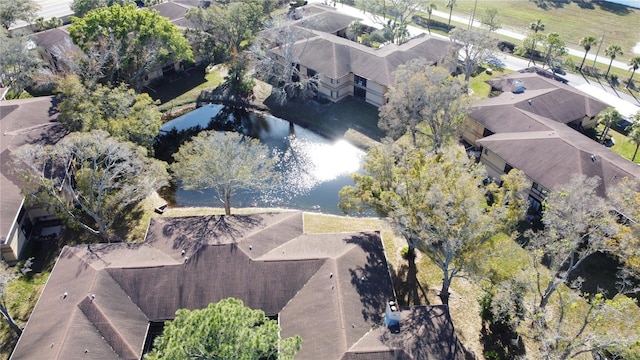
407, 254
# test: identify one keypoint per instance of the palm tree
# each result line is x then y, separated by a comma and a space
430, 9
607, 118
634, 136
537, 26
587, 43
612, 51
450, 5
635, 64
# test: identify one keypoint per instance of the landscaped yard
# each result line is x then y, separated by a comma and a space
622, 146
186, 88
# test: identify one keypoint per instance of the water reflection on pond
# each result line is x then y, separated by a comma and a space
313, 168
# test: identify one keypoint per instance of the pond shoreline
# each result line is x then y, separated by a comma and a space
353, 136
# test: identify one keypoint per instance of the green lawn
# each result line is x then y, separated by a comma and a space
622, 146
173, 94
478, 84
572, 19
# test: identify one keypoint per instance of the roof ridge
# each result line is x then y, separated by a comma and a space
102, 323
285, 218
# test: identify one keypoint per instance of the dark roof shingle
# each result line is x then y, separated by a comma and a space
331, 289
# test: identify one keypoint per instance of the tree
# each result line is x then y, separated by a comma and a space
529, 46
119, 111
490, 19
238, 84
18, 63
612, 51
595, 316
537, 26
223, 330
634, 137
554, 49
6, 277
132, 41
450, 5
226, 162
587, 43
276, 57
430, 7
224, 29
90, 179
438, 202
395, 15
423, 94
476, 48
578, 223
625, 199
634, 64
608, 117
12, 11
81, 7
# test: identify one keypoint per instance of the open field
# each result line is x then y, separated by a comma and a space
571, 19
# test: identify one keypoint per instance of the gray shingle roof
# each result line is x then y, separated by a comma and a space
175, 12
531, 132
335, 56
331, 289
21, 122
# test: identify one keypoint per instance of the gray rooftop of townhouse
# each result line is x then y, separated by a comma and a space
22, 121
331, 289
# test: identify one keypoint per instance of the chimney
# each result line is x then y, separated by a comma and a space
392, 316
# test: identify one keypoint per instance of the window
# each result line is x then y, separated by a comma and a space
487, 132
311, 73
538, 190
360, 81
337, 81
337, 93
486, 151
331, 93
332, 80
507, 168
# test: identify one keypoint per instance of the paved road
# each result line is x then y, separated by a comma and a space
49, 9
626, 104
516, 35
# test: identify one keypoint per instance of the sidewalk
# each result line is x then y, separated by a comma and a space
515, 35
626, 104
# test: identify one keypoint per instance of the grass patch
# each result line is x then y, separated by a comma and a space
186, 89
572, 19
622, 146
21, 297
478, 85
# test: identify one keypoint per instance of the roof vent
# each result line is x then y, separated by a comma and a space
529, 101
518, 87
64, 296
594, 157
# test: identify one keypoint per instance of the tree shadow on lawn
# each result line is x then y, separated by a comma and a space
500, 342
617, 9
167, 89
599, 272
408, 289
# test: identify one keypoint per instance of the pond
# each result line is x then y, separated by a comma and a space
313, 168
